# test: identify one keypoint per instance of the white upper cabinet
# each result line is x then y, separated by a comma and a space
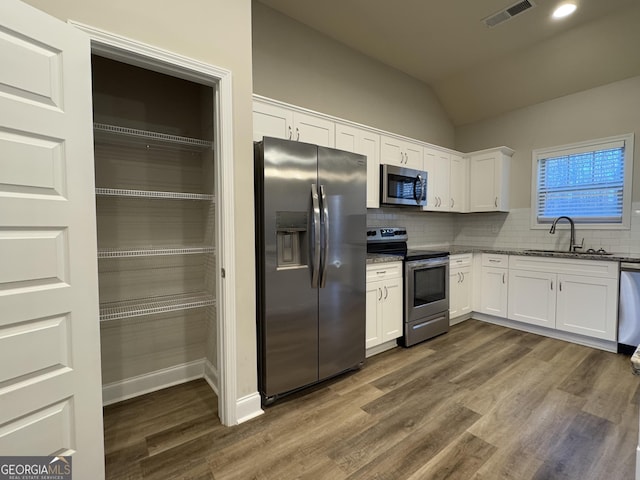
436, 163
447, 181
396, 151
458, 183
475, 182
270, 120
364, 142
489, 180
313, 129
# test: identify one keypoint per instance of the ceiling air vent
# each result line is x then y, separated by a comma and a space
508, 13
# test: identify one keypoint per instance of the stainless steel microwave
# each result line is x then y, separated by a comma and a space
402, 186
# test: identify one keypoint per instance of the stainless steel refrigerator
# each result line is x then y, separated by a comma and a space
310, 264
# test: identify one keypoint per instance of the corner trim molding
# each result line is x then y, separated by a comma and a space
211, 376
249, 407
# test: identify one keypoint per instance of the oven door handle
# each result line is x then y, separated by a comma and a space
427, 263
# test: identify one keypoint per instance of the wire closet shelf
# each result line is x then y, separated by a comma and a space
153, 305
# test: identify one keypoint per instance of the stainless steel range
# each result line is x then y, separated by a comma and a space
426, 284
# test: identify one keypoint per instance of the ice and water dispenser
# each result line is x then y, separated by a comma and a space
291, 238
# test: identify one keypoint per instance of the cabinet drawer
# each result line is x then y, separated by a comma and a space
495, 260
460, 260
384, 271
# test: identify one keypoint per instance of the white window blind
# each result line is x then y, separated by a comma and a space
584, 183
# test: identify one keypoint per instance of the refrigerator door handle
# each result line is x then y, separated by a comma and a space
315, 265
325, 236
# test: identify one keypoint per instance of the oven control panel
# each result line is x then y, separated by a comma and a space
386, 234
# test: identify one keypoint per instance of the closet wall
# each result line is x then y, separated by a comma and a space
155, 205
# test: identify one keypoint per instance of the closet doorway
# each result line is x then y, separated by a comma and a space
163, 169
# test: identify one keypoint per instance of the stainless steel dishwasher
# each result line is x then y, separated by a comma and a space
629, 308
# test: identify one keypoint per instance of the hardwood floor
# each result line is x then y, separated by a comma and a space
482, 402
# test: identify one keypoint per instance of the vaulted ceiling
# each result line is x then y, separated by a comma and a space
478, 72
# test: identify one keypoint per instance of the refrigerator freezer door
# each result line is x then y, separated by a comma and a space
288, 304
342, 177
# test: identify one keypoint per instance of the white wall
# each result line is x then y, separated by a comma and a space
217, 32
599, 112
300, 66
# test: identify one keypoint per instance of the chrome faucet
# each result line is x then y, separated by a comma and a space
573, 246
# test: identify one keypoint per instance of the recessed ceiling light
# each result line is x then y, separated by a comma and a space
564, 10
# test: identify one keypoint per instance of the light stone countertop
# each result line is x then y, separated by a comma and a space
382, 258
459, 249
614, 257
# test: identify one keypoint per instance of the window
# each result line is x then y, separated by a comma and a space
588, 181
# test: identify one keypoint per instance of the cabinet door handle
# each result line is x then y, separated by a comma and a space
503, 278
298, 138
290, 133
493, 260
462, 273
496, 202
380, 297
452, 202
560, 285
551, 284
386, 293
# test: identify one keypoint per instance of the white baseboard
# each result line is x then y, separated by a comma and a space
248, 407
211, 376
383, 347
607, 345
460, 319
150, 382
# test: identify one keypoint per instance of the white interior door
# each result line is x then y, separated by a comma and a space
50, 392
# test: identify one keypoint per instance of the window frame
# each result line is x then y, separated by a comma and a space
560, 150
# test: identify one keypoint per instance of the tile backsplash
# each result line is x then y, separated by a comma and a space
502, 230
423, 228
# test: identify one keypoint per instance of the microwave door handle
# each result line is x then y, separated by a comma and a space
424, 190
325, 236
415, 189
315, 225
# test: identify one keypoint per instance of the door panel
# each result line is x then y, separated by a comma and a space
532, 297
588, 306
50, 388
290, 324
342, 301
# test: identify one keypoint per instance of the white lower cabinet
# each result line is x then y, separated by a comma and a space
460, 281
532, 297
384, 303
494, 286
587, 305
576, 296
